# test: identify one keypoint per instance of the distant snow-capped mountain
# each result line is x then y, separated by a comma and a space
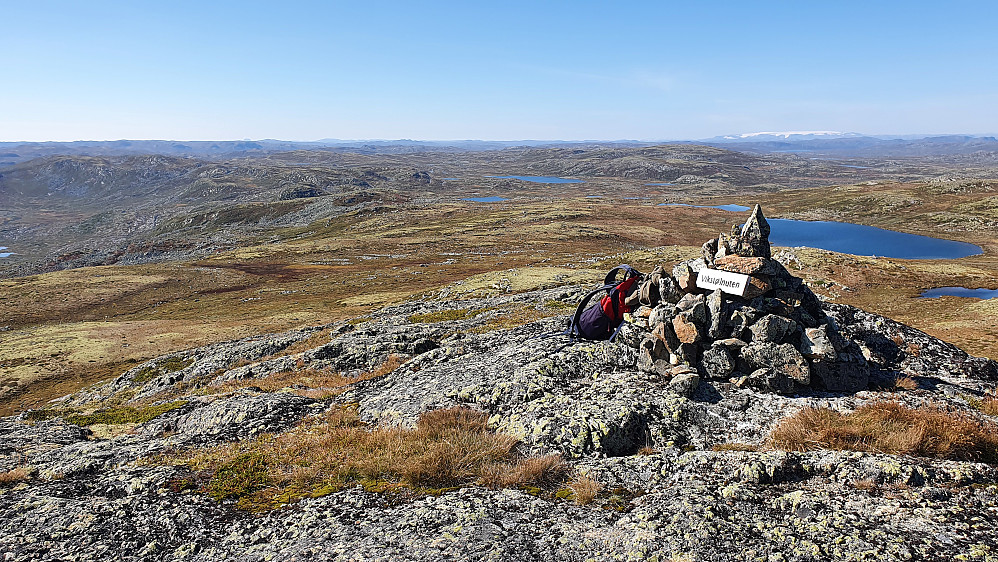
784, 136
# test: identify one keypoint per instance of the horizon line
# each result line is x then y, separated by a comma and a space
739, 136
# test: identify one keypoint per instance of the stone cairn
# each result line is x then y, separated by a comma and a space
774, 338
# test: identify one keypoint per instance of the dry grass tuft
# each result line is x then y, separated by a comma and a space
447, 449
646, 450
865, 484
989, 405
584, 489
890, 427
543, 472
907, 382
15, 475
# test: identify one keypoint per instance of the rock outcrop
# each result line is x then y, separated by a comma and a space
652, 417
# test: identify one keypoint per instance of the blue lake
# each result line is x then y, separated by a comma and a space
538, 179
5, 254
960, 292
485, 199
862, 240
728, 207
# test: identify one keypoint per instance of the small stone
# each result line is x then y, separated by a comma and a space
755, 234
783, 358
695, 307
747, 265
771, 328
850, 372
668, 290
815, 344
731, 344
717, 363
708, 251
686, 279
686, 329
723, 247
631, 334
661, 314
688, 302
741, 319
757, 286
684, 384
655, 346
687, 353
715, 308
771, 380
667, 334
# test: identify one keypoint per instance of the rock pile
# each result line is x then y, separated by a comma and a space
769, 333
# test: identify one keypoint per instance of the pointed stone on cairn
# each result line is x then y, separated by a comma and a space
755, 234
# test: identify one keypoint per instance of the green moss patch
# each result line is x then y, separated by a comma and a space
239, 477
171, 365
122, 415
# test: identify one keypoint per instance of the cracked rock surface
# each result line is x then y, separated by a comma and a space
646, 434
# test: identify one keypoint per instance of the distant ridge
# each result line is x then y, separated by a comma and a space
817, 143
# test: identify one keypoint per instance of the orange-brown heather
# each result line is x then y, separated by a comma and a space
15, 475
890, 427
447, 449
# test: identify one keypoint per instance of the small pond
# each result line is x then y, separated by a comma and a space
492, 199
729, 207
862, 240
4, 254
538, 179
960, 292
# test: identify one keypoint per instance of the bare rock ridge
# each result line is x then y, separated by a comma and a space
693, 372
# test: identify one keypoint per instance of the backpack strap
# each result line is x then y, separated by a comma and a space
572, 331
628, 273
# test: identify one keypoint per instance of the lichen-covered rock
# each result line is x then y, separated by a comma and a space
717, 363
645, 437
768, 379
685, 383
816, 344
782, 358
771, 328
754, 239
243, 414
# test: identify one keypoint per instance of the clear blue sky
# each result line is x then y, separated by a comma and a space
493, 70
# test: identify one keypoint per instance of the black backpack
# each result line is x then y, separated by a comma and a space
603, 321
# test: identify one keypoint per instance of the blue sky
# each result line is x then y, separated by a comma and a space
291, 70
